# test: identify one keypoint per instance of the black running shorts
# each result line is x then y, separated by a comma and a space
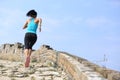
29, 40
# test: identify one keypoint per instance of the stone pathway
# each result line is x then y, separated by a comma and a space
37, 71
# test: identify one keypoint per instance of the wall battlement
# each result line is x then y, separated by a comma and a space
11, 48
76, 67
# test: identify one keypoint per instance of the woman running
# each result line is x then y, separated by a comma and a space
30, 38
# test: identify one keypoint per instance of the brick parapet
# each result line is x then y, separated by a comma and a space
80, 68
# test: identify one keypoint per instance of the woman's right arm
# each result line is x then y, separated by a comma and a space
25, 25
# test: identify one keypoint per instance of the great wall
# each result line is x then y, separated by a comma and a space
73, 67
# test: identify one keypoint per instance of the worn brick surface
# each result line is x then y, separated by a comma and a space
77, 68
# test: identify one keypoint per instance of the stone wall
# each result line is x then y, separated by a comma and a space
12, 52
11, 48
76, 67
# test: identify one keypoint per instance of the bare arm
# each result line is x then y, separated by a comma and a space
25, 25
39, 24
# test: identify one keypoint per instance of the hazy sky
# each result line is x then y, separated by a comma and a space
87, 28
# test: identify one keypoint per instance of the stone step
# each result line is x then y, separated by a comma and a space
16, 71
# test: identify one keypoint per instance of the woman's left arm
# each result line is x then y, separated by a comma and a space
39, 24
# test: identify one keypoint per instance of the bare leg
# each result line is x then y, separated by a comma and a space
28, 54
30, 51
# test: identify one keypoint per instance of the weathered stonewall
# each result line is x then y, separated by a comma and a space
76, 68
